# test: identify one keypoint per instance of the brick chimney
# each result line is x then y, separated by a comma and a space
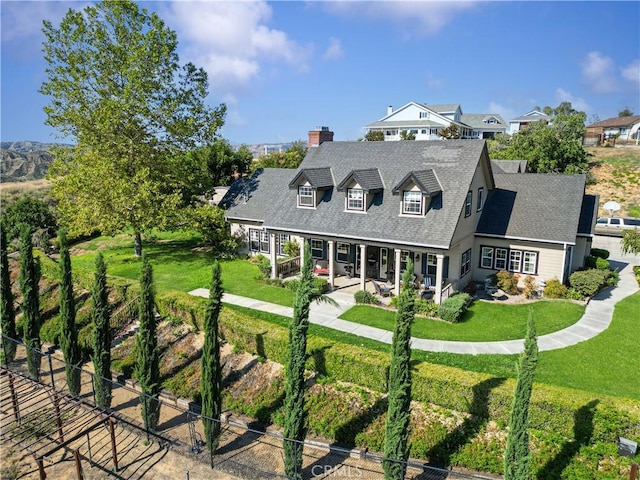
320, 135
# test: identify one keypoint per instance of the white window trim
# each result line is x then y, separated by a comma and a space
533, 261
484, 257
497, 259
404, 203
348, 199
468, 204
315, 249
465, 263
480, 199
515, 258
312, 196
282, 243
338, 253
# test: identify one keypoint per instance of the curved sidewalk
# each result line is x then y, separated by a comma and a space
596, 319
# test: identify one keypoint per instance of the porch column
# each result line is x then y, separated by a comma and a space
438, 285
363, 266
302, 242
397, 274
331, 267
274, 258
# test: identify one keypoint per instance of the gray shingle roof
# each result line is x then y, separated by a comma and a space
425, 180
509, 166
477, 120
616, 122
534, 206
533, 117
443, 107
317, 178
369, 180
454, 163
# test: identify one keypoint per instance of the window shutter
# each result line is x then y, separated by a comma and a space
445, 268
424, 264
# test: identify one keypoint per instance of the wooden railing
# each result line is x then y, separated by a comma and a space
288, 267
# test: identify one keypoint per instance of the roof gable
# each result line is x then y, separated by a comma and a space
425, 180
317, 178
369, 180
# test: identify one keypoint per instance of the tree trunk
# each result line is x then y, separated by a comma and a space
137, 244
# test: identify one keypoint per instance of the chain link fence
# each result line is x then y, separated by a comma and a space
245, 449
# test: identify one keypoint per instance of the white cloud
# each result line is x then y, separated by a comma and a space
232, 41
598, 71
578, 103
433, 82
334, 50
632, 72
421, 17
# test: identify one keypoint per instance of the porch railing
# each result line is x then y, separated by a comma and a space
288, 267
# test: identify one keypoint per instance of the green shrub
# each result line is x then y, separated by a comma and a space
555, 289
264, 265
530, 287
590, 262
613, 276
426, 308
600, 253
602, 264
636, 271
364, 296
588, 282
574, 294
321, 284
453, 308
507, 282
291, 248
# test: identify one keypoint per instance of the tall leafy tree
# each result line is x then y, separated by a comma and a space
211, 371
292, 158
548, 148
374, 136
451, 132
8, 313
517, 457
630, 242
100, 314
625, 112
117, 88
28, 210
29, 279
399, 409
69, 330
295, 415
148, 364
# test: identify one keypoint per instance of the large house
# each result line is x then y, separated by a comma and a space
365, 208
518, 123
622, 129
427, 121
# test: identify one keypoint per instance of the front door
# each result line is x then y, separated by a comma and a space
373, 262
384, 263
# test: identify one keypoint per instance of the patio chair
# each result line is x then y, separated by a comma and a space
381, 290
426, 283
321, 267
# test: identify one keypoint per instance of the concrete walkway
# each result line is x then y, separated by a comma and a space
596, 319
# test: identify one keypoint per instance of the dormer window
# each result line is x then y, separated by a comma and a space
305, 196
355, 199
412, 203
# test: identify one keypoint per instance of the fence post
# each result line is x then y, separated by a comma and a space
49, 352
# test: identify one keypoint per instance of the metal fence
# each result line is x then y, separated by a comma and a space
245, 449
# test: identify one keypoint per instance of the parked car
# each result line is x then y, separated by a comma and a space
615, 225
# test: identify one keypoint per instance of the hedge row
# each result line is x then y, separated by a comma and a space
552, 408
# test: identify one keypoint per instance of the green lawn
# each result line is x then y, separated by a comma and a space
178, 264
483, 322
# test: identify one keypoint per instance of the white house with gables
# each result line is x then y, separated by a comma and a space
426, 121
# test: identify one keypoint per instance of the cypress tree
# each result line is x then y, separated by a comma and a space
101, 335
148, 365
29, 279
69, 330
295, 415
399, 409
517, 457
211, 371
8, 313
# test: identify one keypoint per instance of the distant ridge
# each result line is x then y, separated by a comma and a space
24, 160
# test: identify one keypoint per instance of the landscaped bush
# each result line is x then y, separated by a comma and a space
555, 289
530, 287
453, 308
426, 308
600, 253
291, 248
636, 271
574, 294
602, 264
589, 282
590, 262
364, 296
507, 282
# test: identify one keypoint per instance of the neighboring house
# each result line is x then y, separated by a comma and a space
619, 129
426, 121
528, 118
365, 208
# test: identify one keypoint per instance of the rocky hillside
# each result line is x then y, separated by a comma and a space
21, 167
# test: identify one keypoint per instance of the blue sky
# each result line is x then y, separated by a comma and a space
283, 68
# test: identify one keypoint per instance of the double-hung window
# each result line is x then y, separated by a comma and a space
412, 203
317, 248
486, 260
355, 199
283, 238
480, 198
501, 259
342, 252
529, 263
305, 196
264, 241
515, 260
465, 263
405, 255
254, 240
467, 203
